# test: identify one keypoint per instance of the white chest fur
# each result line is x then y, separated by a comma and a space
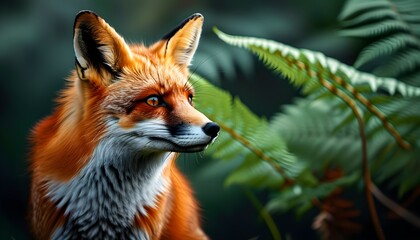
102, 200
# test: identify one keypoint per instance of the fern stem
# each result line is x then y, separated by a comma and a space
366, 174
367, 179
364, 101
275, 233
400, 18
395, 207
375, 111
253, 148
284, 53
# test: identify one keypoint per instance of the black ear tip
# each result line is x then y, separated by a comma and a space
85, 12
192, 17
195, 16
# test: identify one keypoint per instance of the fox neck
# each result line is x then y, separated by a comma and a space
116, 185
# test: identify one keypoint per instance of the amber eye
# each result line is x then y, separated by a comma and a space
153, 101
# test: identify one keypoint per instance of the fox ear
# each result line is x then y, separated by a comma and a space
99, 50
181, 43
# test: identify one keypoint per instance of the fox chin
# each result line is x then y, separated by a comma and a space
103, 163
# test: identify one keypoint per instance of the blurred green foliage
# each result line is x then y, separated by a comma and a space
36, 55
317, 128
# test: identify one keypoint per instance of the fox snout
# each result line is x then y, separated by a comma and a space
181, 137
211, 129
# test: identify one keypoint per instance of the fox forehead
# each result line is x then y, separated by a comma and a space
146, 75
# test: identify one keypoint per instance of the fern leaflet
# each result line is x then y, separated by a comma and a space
244, 134
304, 66
397, 23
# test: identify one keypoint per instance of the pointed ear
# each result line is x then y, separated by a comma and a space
181, 43
99, 50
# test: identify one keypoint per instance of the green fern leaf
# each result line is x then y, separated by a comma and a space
370, 16
310, 129
407, 6
386, 46
304, 66
325, 144
255, 173
402, 62
398, 22
354, 7
377, 29
321, 134
299, 197
244, 134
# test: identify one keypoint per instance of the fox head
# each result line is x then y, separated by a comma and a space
102, 163
141, 94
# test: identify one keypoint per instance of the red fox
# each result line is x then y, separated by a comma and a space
103, 164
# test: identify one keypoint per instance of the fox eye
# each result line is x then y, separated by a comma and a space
154, 101
190, 99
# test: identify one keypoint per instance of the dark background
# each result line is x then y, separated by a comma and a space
36, 55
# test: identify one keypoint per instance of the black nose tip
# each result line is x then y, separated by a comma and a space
211, 129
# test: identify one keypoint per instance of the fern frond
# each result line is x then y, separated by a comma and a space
245, 134
311, 131
396, 23
323, 135
371, 16
408, 6
354, 8
377, 29
300, 197
386, 46
301, 65
405, 61
304, 66
255, 173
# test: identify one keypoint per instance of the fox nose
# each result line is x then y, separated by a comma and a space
211, 129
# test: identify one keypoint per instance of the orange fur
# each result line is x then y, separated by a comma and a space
115, 88
176, 217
